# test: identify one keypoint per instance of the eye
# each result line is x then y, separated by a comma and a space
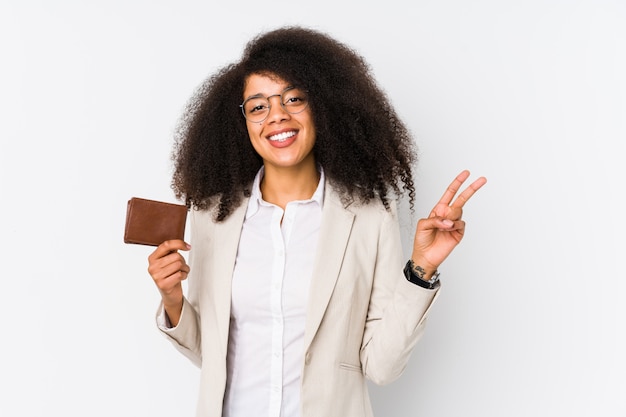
256, 105
294, 98
257, 108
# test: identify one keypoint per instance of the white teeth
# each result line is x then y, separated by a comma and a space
281, 137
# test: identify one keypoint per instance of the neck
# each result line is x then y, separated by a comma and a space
283, 185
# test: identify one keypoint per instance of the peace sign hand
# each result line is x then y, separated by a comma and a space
437, 235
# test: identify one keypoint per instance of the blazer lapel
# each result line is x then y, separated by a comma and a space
334, 233
225, 244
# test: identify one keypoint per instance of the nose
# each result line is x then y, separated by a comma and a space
276, 112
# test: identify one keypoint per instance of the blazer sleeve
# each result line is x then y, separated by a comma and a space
186, 336
397, 310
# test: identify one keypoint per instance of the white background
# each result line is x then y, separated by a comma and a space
530, 94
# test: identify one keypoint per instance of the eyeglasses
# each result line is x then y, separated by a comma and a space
256, 108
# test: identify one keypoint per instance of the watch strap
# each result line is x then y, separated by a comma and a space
415, 274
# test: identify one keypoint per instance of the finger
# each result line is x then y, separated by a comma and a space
453, 188
469, 192
440, 223
165, 266
173, 267
171, 281
168, 247
453, 213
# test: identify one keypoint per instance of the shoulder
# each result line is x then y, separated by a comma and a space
373, 207
207, 218
372, 214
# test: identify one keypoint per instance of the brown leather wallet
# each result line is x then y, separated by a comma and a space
150, 222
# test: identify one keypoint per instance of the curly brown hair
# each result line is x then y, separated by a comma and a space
364, 148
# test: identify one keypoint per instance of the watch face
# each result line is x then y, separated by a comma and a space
434, 280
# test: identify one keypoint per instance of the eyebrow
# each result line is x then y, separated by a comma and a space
260, 95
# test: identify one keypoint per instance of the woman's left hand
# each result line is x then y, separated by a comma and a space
437, 235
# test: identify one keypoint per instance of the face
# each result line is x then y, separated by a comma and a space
283, 139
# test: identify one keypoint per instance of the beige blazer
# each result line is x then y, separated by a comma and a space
363, 316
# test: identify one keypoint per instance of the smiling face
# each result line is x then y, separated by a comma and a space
283, 140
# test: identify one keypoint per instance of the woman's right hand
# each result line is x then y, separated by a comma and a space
168, 269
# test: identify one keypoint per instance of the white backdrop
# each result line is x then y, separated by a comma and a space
531, 94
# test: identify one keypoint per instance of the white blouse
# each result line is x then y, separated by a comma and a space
269, 301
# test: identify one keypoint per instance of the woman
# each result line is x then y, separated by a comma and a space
292, 159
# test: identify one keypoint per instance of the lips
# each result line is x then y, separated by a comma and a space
281, 137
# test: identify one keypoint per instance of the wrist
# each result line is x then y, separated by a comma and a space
418, 275
428, 268
173, 312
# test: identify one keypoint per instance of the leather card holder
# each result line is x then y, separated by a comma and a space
150, 222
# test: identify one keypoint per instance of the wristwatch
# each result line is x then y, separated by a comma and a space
415, 274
